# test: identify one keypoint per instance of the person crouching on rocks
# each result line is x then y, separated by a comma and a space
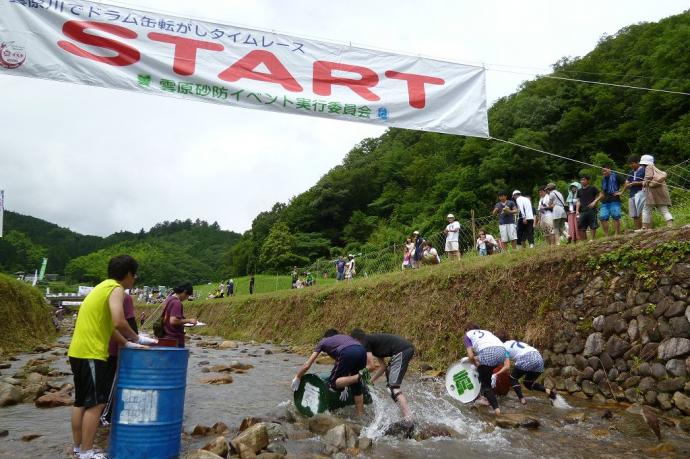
350, 358
400, 351
487, 353
528, 364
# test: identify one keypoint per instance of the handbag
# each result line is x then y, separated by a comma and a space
658, 177
158, 328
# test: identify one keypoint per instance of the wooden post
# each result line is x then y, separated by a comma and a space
474, 229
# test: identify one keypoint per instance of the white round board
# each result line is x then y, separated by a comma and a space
462, 381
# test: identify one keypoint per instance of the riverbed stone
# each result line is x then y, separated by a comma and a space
633, 330
673, 347
676, 367
664, 328
614, 324
322, 423
516, 420
200, 430
254, 439
237, 365
341, 437
598, 323
606, 361
219, 446
664, 400
594, 344
227, 345
646, 384
648, 329
580, 362
658, 370
677, 308
598, 376
631, 382
670, 384
680, 327
202, 454
679, 292
634, 351
616, 346
641, 297
576, 345
54, 399
9, 394
632, 395
277, 447
621, 365
589, 388
31, 436
571, 386
650, 397
587, 373
649, 351
682, 402
612, 374
616, 306
217, 379
221, 368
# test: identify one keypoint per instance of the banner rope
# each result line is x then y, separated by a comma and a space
624, 174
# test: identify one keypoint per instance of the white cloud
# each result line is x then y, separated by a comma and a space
99, 160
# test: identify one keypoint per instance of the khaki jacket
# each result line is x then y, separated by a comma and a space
657, 193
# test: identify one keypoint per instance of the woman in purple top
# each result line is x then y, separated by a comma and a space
173, 313
350, 358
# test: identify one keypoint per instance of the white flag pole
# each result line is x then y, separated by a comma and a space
2, 209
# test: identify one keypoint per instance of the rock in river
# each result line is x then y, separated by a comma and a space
515, 420
217, 379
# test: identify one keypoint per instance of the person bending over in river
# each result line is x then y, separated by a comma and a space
399, 350
350, 357
486, 351
101, 316
528, 364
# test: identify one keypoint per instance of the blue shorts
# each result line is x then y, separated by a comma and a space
610, 209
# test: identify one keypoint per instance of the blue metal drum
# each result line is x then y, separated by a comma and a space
149, 403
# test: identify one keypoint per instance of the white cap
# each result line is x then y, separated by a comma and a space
647, 160
450, 216
416, 232
516, 192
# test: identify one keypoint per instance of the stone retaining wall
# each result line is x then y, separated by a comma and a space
624, 340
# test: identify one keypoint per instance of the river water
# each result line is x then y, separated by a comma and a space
267, 386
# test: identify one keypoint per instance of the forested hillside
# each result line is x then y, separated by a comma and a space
169, 252
406, 180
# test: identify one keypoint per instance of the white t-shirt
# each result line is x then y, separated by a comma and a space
515, 348
453, 232
544, 204
481, 339
525, 206
482, 244
556, 198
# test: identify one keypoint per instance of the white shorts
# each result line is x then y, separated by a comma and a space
452, 246
508, 232
636, 205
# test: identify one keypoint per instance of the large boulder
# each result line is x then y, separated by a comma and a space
594, 344
673, 347
218, 446
341, 437
680, 327
9, 394
322, 423
54, 399
227, 345
253, 439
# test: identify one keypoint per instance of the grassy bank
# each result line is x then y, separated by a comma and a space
518, 292
263, 283
26, 319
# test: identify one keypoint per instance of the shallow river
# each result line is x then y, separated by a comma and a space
267, 386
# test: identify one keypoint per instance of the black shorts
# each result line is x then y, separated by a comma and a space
397, 367
588, 219
352, 359
91, 384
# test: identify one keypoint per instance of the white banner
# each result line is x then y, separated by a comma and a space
117, 47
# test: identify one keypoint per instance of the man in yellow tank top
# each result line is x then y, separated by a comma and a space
101, 316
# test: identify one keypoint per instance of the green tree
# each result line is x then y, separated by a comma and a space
277, 251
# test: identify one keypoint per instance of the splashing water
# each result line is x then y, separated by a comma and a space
561, 404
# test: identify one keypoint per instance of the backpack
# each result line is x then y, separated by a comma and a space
158, 324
